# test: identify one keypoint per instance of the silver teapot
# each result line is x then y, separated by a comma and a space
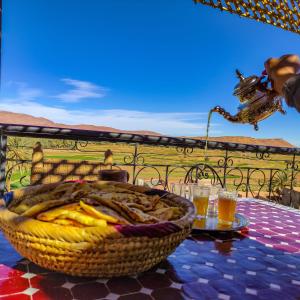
258, 101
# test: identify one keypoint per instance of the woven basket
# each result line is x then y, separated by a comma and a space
117, 251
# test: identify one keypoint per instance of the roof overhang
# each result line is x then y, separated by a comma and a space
284, 14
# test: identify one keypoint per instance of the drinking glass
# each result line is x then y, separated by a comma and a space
190, 187
140, 182
148, 183
178, 189
200, 222
226, 206
200, 199
213, 197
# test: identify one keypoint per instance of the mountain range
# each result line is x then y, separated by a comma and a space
24, 119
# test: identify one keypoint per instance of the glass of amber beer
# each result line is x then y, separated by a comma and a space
200, 199
226, 206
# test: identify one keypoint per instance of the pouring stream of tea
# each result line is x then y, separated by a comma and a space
207, 133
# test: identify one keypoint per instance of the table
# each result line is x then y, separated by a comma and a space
260, 263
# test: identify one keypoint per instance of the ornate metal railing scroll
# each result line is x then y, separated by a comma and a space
203, 172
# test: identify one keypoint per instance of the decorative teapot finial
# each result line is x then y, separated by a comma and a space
239, 75
258, 102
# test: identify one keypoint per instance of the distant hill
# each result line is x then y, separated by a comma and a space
23, 119
277, 142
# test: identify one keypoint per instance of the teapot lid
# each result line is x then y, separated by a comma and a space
245, 85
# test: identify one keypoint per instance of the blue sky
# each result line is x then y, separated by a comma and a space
136, 64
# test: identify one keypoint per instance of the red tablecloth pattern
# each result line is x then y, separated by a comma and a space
262, 262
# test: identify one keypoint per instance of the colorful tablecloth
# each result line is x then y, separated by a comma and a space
262, 262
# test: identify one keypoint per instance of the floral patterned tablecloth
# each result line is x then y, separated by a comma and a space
262, 262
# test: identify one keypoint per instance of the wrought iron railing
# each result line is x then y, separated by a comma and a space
255, 171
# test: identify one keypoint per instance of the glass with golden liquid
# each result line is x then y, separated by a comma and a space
226, 206
201, 199
200, 222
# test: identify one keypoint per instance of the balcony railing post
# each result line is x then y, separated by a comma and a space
225, 168
166, 178
135, 158
3, 147
248, 182
293, 166
270, 183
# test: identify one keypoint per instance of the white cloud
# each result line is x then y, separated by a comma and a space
29, 93
170, 123
23, 91
81, 90
176, 124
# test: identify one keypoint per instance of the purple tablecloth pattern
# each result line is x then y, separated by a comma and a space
261, 262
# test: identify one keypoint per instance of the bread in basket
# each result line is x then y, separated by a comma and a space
100, 251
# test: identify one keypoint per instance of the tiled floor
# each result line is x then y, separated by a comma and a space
260, 263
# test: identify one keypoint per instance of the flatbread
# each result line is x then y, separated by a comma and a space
166, 213
103, 201
136, 214
106, 210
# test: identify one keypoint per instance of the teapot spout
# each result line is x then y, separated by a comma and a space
225, 114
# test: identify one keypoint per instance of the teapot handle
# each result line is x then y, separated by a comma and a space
264, 75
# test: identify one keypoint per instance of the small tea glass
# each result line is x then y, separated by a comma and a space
190, 188
178, 189
213, 197
201, 199
227, 201
140, 182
